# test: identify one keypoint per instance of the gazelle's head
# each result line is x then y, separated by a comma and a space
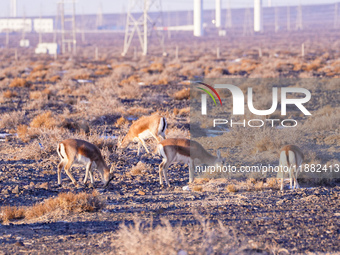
123, 142
107, 175
219, 160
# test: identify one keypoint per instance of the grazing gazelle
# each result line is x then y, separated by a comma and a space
185, 151
78, 151
143, 128
291, 157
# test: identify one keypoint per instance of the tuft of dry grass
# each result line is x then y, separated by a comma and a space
273, 183
197, 188
231, 188
66, 202
121, 122
19, 82
9, 94
11, 213
45, 120
36, 95
139, 169
182, 94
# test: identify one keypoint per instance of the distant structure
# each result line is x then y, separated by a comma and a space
13, 8
15, 25
299, 25
142, 25
66, 12
258, 16
198, 17
247, 24
218, 13
229, 18
99, 20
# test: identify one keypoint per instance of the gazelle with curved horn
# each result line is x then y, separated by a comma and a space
73, 151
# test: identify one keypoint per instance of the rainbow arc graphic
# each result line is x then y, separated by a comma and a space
209, 93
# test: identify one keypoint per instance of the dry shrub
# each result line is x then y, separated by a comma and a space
36, 95
12, 120
19, 82
121, 122
201, 180
137, 111
176, 111
162, 81
167, 239
55, 78
182, 94
138, 169
82, 76
39, 67
9, 94
258, 185
314, 66
8, 213
45, 120
122, 71
184, 111
22, 132
131, 80
231, 188
198, 188
265, 144
66, 202
159, 67
273, 183
129, 91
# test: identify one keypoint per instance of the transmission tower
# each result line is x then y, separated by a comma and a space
336, 13
141, 24
228, 19
299, 18
66, 15
247, 25
99, 20
288, 18
277, 27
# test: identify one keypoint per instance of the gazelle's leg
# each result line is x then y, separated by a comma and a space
281, 183
161, 165
60, 167
91, 174
143, 143
88, 167
291, 173
157, 139
67, 170
165, 172
191, 171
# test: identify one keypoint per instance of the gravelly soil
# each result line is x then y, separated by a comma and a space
305, 220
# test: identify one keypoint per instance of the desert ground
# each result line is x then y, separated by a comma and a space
44, 100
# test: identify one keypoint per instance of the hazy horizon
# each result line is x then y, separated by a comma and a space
48, 7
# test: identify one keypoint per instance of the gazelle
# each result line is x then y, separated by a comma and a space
143, 128
291, 157
185, 151
78, 151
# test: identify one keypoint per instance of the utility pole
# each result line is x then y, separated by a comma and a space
141, 25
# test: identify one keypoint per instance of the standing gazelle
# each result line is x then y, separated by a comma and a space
291, 157
78, 151
185, 151
143, 128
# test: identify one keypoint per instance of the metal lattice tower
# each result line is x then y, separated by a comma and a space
143, 24
99, 20
299, 25
66, 15
336, 13
247, 25
228, 19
